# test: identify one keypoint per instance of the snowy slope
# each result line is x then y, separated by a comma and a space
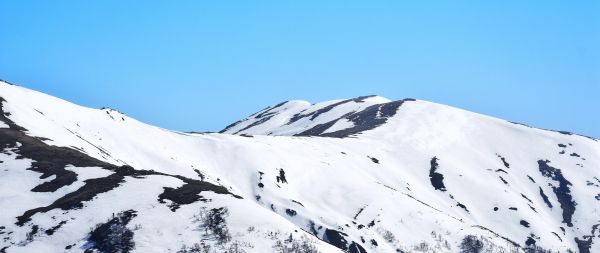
357, 175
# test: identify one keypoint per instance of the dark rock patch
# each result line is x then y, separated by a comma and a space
367, 119
437, 179
87, 192
524, 223
562, 192
313, 115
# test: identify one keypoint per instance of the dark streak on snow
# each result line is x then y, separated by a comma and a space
545, 198
506, 164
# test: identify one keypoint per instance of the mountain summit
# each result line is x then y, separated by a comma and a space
355, 175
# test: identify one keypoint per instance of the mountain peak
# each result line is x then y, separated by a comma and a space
335, 118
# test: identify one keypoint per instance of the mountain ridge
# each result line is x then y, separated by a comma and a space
420, 181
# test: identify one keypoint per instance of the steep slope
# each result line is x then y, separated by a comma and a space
405, 176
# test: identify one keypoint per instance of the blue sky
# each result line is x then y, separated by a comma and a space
199, 65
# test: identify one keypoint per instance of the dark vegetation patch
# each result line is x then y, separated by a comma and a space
373, 159
562, 192
498, 235
562, 145
260, 177
524, 223
437, 179
530, 241
281, 178
495, 209
575, 155
471, 244
51, 230
338, 239
293, 245
513, 208
212, 221
113, 235
87, 192
367, 119
47, 160
504, 162
34, 230
374, 243
371, 224
585, 244
291, 212
462, 206
359, 211
51, 160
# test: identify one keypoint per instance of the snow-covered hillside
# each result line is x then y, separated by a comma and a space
358, 175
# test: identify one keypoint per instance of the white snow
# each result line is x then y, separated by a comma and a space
332, 178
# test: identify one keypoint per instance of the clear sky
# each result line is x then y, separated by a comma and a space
200, 65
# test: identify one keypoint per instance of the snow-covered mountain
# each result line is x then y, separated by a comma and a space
358, 175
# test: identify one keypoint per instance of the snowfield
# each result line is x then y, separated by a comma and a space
356, 175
